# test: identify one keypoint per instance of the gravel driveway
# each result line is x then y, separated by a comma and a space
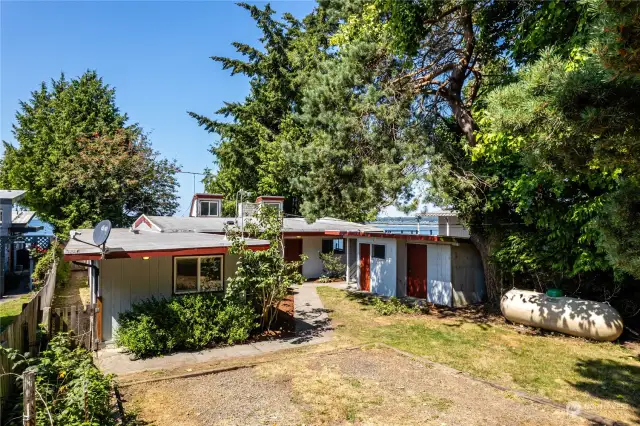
365, 386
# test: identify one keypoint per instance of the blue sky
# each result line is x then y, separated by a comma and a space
155, 53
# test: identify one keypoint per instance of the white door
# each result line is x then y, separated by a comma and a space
439, 288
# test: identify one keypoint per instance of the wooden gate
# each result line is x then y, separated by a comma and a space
78, 320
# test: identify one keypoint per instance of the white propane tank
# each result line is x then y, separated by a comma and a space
577, 317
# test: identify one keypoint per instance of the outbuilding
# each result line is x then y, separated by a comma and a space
443, 270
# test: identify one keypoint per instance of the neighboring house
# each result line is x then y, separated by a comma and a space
162, 256
407, 225
15, 240
449, 224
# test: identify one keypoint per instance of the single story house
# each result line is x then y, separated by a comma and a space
300, 237
139, 264
163, 256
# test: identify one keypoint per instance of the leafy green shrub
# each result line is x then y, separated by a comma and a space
392, 306
194, 321
263, 278
71, 390
332, 265
196, 314
235, 323
147, 329
44, 263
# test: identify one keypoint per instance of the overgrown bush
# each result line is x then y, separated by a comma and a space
194, 321
332, 265
393, 306
71, 390
263, 278
44, 263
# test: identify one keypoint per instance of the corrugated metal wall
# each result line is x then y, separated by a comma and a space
467, 275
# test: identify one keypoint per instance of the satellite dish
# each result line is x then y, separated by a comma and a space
101, 232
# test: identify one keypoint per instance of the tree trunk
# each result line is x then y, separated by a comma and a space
465, 121
493, 284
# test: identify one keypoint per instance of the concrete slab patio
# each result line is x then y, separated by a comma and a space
312, 327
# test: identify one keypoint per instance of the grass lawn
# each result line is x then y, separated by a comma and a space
12, 308
602, 377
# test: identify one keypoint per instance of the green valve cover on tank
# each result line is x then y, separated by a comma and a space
554, 292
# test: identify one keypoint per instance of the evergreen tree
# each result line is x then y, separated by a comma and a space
80, 161
250, 154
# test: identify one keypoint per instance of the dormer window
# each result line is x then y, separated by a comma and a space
273, 205
272, 201
209, 208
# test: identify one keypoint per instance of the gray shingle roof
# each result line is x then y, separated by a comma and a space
125, 240
169, 224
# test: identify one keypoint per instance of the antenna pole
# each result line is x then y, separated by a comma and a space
194, 177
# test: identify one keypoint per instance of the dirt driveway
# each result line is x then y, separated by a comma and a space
365, 386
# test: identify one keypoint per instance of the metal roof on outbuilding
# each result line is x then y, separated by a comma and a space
123, 243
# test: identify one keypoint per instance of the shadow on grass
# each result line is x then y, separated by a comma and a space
612, 380
476, 314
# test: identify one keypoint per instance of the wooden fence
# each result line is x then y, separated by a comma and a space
76, 319
22, 333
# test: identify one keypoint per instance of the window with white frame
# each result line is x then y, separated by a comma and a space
209, 208
379, 251
334, 245
192, 274
274, 205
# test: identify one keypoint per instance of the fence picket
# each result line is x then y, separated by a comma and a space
16, 334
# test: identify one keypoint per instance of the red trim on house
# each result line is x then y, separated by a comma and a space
269, 198
408, 237
202, 251
304, 234
201, 196
142, 219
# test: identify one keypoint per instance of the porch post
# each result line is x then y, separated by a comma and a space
346, 242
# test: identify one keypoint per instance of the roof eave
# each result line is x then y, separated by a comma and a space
198, 251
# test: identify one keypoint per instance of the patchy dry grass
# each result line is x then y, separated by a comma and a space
74, 293
12, 308
375, 386
602, 377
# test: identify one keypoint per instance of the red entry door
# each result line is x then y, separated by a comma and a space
293, 250
417, 271
365, 267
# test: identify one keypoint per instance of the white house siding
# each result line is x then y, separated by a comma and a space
351, 245
125, 281
383, 272
439, 288
401, 270
312, 247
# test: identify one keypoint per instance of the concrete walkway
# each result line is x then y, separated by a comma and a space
312, 327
